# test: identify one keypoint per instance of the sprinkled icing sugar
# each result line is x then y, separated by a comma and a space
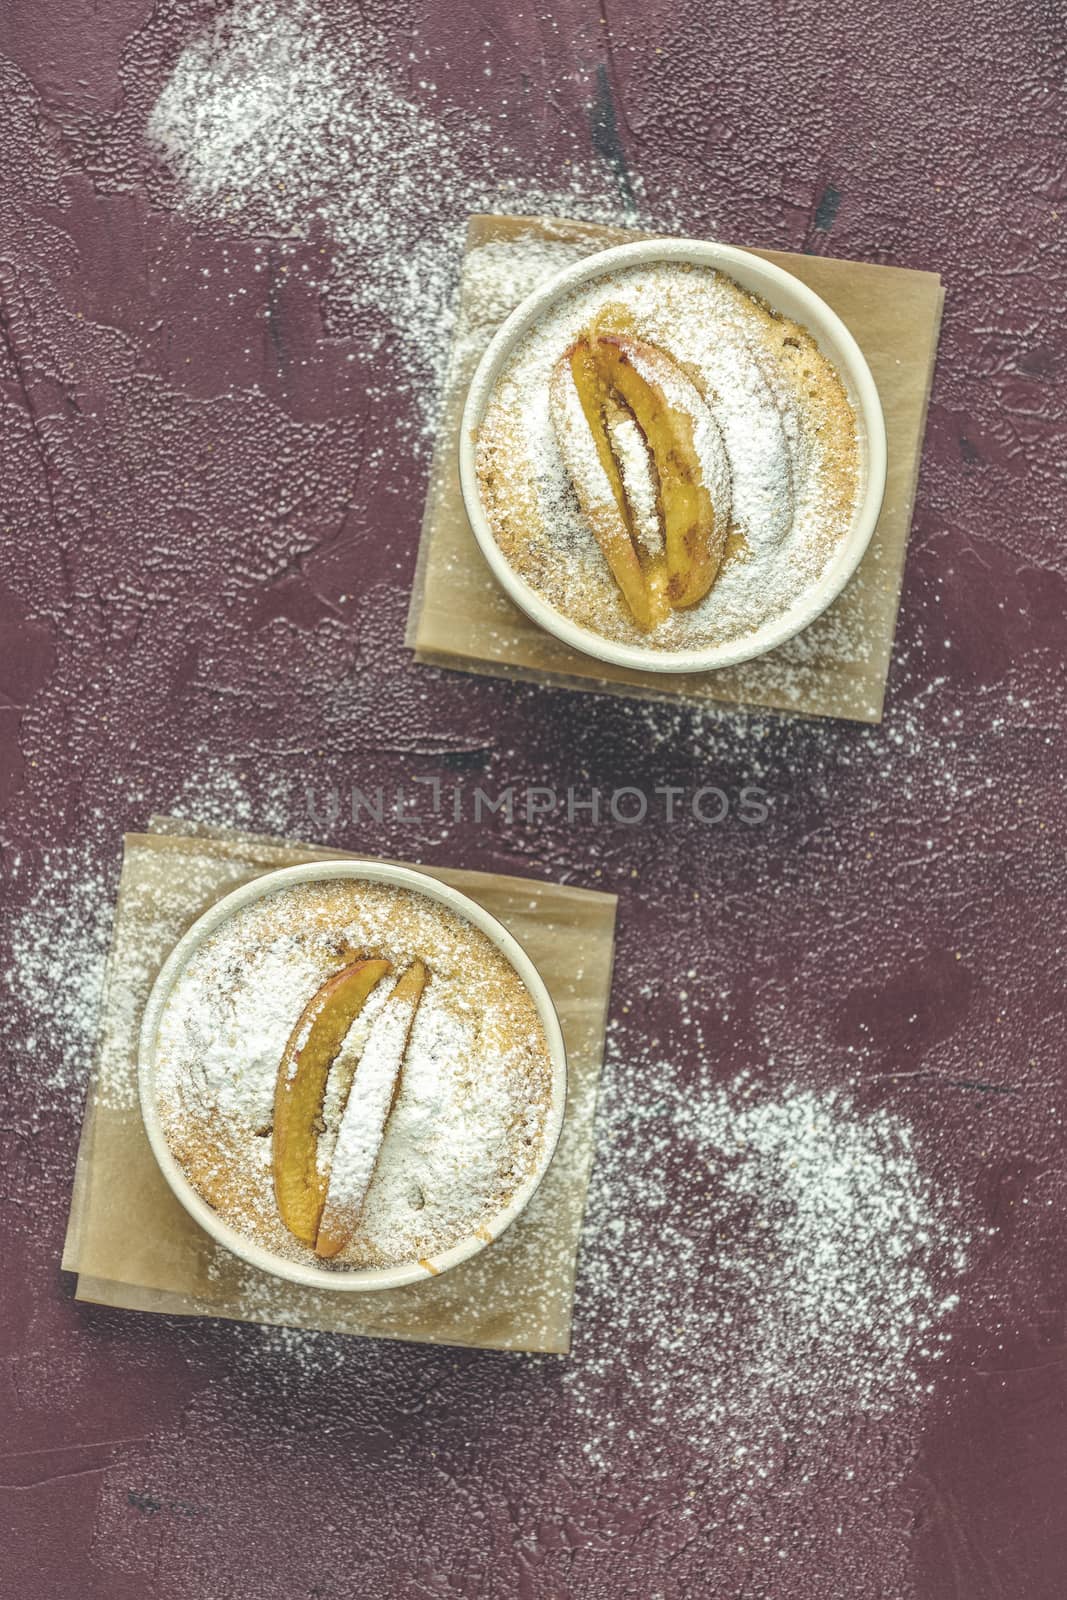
358, 1142
635, 469
475, 1084
276, 121
783, 1251
776, 438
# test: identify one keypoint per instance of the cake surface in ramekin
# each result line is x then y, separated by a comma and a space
465, 1126
752, 451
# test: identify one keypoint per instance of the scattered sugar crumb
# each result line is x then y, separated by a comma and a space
769, 1259
274, 121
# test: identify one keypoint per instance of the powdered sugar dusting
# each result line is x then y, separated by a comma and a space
362, 1127
784, 1251
628, 447
230, 1061
274, 120
58, 958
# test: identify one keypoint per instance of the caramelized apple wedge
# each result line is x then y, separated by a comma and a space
370, 1101
301, 1085
690, 459
579, 399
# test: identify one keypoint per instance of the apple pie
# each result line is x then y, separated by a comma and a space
666, 461
351, 1073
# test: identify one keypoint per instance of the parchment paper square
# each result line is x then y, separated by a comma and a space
132, 1244
461, 618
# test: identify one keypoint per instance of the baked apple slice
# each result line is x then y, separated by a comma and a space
301, 1086
370, 1101
578, 399
690, 459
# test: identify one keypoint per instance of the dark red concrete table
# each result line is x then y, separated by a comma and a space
205, 567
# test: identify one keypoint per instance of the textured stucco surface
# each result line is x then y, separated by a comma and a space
205, 555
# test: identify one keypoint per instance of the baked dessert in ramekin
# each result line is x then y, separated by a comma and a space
673, 455
352, 1075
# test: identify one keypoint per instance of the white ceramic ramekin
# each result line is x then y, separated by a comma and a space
309, 1274
783, 293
